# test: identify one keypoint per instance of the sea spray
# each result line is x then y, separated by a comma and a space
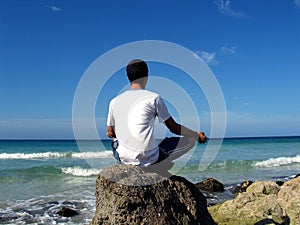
80, 172
49, 155
276, 162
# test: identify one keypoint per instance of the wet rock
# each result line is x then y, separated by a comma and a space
210, 185
126, 194
67, 212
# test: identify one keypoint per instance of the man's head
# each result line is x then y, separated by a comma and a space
136, 69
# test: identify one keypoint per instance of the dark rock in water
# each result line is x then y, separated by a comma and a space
210, 185
53, 203
243, 187
298, 175
67, 212
126, 194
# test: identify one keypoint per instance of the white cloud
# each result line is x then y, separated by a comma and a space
229, 50
54, 8
248, 103
225, 8
297, 2
209, 58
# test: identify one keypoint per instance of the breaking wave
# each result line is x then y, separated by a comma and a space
280, 161
80, 172
48, 155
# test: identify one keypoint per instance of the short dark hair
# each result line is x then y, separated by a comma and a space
136, 69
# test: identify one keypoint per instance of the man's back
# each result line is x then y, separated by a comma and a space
133, 114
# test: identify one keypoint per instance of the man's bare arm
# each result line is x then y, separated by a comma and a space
184, 131
111, 132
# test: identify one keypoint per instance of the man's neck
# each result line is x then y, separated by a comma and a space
136, 86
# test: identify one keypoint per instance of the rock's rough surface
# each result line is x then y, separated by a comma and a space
210, 185
264, 202
289, 199
123, 198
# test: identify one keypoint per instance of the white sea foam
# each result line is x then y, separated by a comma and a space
80, 172
276, 162
47, 155
91, 155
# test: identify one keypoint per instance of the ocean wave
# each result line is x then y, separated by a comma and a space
48, 155
276, 162
48, 171
80, 172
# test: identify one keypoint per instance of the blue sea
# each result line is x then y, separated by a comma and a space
38, 177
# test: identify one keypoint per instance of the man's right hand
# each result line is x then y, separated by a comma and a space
201, 138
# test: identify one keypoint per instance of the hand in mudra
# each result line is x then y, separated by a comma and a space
201, 138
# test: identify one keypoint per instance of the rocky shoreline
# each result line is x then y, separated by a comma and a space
262, 202
128, 195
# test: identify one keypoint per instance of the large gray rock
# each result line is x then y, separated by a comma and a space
128, 195
289, 199
264, 202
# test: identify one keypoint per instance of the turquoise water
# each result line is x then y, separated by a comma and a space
38, 177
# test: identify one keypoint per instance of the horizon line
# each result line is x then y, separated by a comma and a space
107, 139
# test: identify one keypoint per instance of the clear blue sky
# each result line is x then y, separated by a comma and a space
252, 47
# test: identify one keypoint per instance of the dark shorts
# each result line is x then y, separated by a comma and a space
174, 147
169, 148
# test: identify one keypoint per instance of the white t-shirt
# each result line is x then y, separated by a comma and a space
133, 114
